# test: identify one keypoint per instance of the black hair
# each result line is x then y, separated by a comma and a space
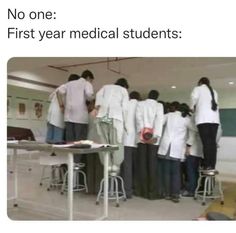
122, 82
206, 81
87, 74
135, 95
174, 106
73, 77
184, 109
153, 94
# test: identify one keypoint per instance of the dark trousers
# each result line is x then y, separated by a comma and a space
192, 165
128, 169
147, 171
207, 134
169, 178
76, 132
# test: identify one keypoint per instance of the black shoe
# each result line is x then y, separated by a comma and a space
187, 194
175, 199
160, 196
168, 198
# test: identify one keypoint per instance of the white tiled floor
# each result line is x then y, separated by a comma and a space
39, 204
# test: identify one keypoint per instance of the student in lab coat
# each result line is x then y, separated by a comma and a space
110, 108
130, 145
75, 110
149, 120
55, 117
194, 156
171, 151
204, 102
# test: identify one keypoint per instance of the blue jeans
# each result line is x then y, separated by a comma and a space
192, 163
54, 134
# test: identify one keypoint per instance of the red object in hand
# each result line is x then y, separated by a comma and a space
146, 134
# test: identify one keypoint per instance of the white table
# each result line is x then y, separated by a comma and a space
68, 152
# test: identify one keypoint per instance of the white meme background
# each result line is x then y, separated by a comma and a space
208, 30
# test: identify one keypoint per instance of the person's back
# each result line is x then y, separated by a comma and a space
175, 135
150, 114
76, 94
202, 99
113, 100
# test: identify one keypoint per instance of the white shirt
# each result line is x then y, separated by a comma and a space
150, 114
175, 135
130, 123
201, 98
55, 116
76, 93
113, 100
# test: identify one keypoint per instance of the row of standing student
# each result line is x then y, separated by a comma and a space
161, 178
112, 108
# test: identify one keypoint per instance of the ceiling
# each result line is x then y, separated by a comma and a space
143, 73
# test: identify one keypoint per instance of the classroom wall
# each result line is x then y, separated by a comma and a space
226, 158
30, 120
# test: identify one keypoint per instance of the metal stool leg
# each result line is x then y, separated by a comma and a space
42, 176
85, 181
221, 192
198, 186
122, 187
63, 187
100, 191
206, 183
116, 191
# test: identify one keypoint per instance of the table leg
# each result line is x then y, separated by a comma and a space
15, 172
70, 186
105, 175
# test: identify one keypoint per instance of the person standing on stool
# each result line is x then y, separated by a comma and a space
128, 168
204, 102
75, 109
110, 108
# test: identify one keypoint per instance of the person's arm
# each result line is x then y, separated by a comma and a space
124, 104
159, 121
89, 93
60, 92
139, 118
194, 98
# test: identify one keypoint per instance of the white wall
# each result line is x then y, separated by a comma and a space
226, 159
37, 126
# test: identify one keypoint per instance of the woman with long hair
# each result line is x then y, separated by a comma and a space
204, 102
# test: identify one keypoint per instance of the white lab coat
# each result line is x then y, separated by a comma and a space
130, 135
194, 141
175, 135
150, 114
201, 99
113, 101
55, 116
76, 93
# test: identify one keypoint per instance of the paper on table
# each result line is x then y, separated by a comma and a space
62, 145
12, 141
95, 145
